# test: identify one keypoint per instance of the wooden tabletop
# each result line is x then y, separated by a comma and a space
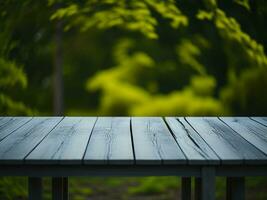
133, 140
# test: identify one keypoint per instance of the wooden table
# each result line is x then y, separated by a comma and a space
200, 147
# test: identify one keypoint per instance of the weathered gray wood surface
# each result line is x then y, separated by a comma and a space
228, 145
15, 147
262, 120
110, 142
10, 124
133, 141
252, 131
4, 120
195, 148
66, 143
153, 142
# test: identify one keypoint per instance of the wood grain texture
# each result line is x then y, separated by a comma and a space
261, 120
65, 144
4, 120
140, 140
11, 124
153, 142
110, 142
194, 147
15, 147
228, 145
252, 131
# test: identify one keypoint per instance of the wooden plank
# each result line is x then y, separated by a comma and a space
16, 146
194, 147
228, 145
35, 188
261, 120
153, 142
208, 183
4, 120
65, 144
11, 124
110, 142
252, 131
235, 188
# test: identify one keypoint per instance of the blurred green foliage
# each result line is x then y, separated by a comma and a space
113, 188
147, 57
11, 74
207, 63
130, 15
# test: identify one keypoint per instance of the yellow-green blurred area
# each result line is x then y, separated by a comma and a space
132, 58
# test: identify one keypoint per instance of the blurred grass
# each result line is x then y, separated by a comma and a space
133, 188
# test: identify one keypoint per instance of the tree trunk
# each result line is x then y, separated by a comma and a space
58, 89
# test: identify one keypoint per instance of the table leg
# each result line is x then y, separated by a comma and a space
35, 188
197, 188
60, 188
186, 188
235, 188
65, 188
208, 183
